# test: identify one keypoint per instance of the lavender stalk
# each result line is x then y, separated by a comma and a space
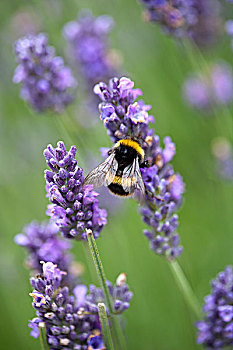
185, 288
99, 268
115, 327
43, 336
106, 332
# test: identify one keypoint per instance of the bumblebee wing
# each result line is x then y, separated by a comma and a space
132, 179
104, 173
139, 193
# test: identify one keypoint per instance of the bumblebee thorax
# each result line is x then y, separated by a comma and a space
128, 149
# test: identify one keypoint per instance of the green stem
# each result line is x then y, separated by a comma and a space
43, 336
117, 334
105, 327
99, 269
185, 288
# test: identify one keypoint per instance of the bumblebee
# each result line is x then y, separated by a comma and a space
120, 171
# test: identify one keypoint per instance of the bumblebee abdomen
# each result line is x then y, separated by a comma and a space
116, 187
118, 190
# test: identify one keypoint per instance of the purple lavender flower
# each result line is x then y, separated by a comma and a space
120, 294
71, 319
34, 325
44, 78
95, 341
88, 38
124, 117
208, 28
67, 325
43, 243
196, 92
74, 207
229, 30
196, 19
216, 330
212, 88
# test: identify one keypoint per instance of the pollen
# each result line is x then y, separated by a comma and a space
38, 298
171, 179
117, 180
159, 161
149, 140
64, 341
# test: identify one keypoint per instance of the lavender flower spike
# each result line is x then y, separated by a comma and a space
125, 117
45, 80
68, 325
74, 206
216, 330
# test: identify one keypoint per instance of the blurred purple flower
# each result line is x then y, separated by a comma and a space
74, 207
214, 88
216, 330
124, 117
223, 153
196, 19
209, 25
222, 83
196, 92
44, 244
88, 39
45, 80
34, 324
229, 30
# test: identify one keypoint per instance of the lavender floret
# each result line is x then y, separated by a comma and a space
216, 329
74, 206
45, 81
124, 117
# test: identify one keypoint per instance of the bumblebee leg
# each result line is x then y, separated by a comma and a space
151, 195
145, 164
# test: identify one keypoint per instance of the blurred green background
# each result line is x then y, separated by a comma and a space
158, 317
